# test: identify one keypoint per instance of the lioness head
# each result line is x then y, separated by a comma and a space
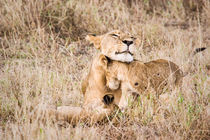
116, 45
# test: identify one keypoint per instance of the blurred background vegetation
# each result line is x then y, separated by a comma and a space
43, 57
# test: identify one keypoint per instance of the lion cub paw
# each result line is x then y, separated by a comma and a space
113, 83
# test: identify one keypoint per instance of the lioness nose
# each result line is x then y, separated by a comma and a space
127, 42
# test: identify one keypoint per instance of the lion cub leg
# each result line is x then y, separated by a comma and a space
113, 84
125, 97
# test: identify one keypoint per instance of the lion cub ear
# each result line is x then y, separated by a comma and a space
96, 40
103, 61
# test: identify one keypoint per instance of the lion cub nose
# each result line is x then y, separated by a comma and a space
127, 42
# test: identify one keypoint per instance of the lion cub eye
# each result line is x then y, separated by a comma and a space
136, 84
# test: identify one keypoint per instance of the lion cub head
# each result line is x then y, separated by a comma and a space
116, 45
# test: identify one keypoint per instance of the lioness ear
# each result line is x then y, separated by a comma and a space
96, 40
103, 61
138, 41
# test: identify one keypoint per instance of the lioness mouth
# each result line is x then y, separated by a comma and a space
127, 51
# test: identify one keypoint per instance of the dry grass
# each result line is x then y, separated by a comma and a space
43, 56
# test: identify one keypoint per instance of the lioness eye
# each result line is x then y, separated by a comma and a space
114, 35
133, 38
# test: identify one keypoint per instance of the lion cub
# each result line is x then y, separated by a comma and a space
138, 77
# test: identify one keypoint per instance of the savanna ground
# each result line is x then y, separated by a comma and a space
43, 57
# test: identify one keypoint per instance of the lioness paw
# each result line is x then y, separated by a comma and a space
108, 99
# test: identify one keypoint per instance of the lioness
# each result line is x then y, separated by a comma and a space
133, 76
109, 77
